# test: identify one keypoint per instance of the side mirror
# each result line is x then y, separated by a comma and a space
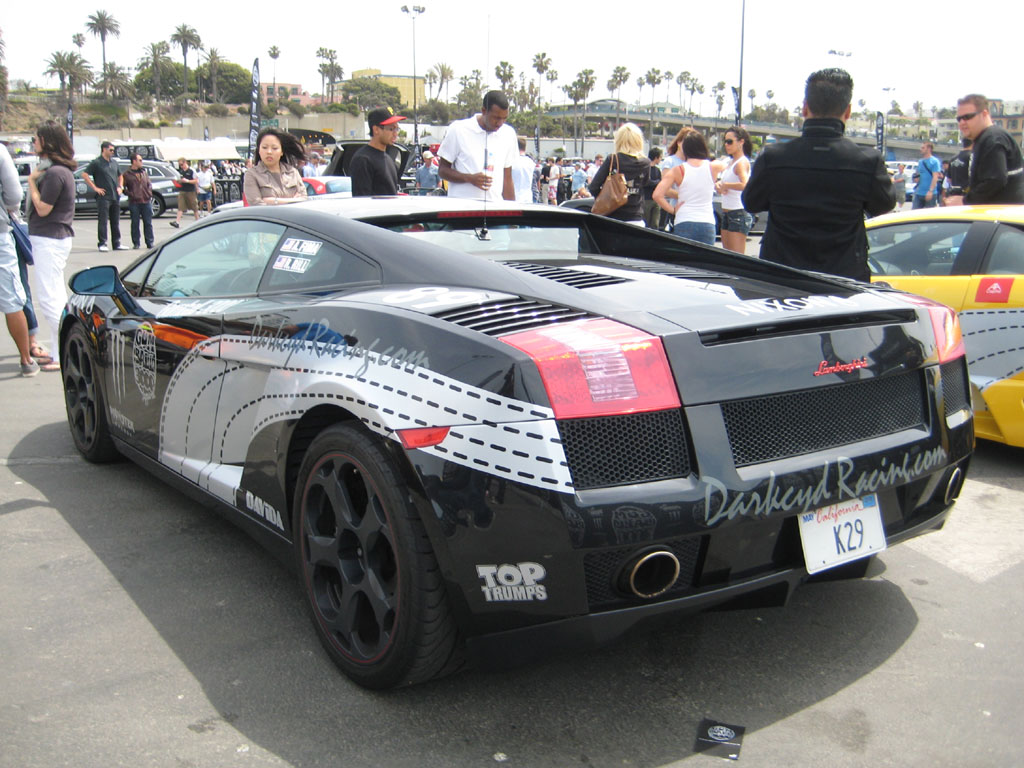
105, 281
97, 281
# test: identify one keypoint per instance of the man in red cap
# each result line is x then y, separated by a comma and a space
373, 170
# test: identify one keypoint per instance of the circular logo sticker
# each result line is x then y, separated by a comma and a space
144, 361
721, 733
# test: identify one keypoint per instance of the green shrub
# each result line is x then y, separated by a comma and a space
217, 110
145, 124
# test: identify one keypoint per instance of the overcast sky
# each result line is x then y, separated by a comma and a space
930, 52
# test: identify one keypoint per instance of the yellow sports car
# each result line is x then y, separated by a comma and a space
971, 258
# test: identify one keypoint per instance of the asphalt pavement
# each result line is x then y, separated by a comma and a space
139, 629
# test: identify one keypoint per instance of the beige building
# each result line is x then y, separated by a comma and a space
1008, 115
404, 84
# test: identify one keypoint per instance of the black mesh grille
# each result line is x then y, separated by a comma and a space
774, 427
954, 386
616, 450
504, 316
602, 569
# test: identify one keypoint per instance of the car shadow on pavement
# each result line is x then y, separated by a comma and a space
234, 617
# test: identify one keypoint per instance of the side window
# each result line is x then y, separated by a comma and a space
224, 259
133, 277
1007, 254
924, 248
308, 263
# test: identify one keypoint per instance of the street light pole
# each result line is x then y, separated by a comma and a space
413, 12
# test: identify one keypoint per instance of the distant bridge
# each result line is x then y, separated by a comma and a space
672, 118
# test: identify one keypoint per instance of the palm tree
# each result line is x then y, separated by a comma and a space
621, 76
585, 82
186, 37
79, 74
505, 73
682, 79
213, 63
694, 86
445, 75
102, 24
652, 78
156, 58
116, 82
78, 40
57, 66
430, 78
667, 78
273, 52
640, 84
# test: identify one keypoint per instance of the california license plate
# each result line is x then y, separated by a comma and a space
840, 533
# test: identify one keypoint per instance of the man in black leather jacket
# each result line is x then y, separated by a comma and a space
818, 187
996, 174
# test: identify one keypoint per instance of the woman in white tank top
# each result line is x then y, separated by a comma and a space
736, 222
692, 209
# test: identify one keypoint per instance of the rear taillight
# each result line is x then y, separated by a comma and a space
949, 341
599, 367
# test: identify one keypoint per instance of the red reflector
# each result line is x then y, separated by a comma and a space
477, 214
599, 368
422, 437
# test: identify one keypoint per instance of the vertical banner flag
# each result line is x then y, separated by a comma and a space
71, 120
880, 132
736, 101
254, 109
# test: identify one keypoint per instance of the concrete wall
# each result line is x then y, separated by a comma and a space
237, 127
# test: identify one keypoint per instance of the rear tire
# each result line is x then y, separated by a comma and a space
83, 398
159, 206
368, 570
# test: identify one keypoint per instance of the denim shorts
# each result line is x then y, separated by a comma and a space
12, 294
695, 230
204, 196
737, 220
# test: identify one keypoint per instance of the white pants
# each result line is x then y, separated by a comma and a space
51, 256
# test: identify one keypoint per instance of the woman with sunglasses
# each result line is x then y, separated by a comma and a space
736, 222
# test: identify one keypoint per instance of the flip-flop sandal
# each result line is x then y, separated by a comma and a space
51, 366
39, 353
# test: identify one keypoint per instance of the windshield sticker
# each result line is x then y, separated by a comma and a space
292, 264
304, 247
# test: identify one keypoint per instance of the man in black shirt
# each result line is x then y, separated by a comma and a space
818, 187
996, 165
372, 169
103, 174
959, 174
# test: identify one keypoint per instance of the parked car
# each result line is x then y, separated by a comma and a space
970, 258
481, 430
324, 185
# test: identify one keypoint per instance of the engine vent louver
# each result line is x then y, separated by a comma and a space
572, 277
505, 316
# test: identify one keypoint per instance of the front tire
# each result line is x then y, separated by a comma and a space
368, 570
83, 399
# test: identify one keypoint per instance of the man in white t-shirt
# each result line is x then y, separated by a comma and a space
522, 174
477, 154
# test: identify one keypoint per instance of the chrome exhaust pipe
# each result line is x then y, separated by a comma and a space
649, 573
954, 485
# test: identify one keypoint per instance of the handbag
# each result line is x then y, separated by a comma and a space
613, 194
21, 241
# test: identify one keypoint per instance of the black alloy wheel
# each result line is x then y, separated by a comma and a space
368, 570
83, 397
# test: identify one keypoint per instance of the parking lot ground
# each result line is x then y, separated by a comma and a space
139, 629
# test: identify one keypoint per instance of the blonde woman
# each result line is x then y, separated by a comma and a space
693, 210
635, 168
736, 222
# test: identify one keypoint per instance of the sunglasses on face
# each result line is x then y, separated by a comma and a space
965, 118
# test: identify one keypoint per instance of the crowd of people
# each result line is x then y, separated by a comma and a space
816, 188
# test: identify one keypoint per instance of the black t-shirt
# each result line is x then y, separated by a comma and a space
960, 169
189, 174
373, 172
637, 172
